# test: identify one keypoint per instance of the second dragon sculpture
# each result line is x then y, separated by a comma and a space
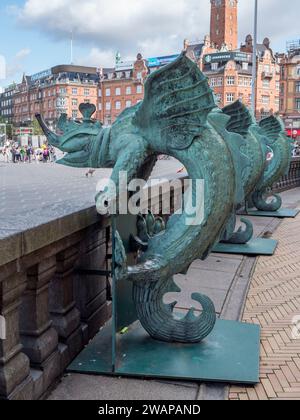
280, 147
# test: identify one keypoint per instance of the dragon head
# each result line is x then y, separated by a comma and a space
76, 138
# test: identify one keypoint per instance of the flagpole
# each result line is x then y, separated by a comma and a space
254, 61
72, 40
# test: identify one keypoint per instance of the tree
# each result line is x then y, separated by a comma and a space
37, 131
9, 128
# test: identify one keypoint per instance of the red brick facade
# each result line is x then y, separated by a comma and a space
224, 23
290, 90
121, 88
61, 91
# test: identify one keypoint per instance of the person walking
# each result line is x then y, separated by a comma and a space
13, 154
28, 154
6, 154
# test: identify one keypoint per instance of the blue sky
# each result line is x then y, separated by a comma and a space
35, 34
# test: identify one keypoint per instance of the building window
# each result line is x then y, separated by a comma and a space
217, 31
74, 91
108, 106
297, 87
245, 66
214, 66
118, 105
128, 104
107, 92
74, 114
230, 80
139, 89
298, 104
100, 107
128, 90
139, 75
265, 100
230, 97
298, 70
100, 93
266, 84
86, 92
118, 91
281, 106
62, 91
74, 102
213, 82
218, 97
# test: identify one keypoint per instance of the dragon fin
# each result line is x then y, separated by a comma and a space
271, 127
240, 118
177, 102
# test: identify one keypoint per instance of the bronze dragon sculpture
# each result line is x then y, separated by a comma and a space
178, 117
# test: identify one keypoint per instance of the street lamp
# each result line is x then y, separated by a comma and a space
254, 60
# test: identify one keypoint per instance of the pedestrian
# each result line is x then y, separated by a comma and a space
13, 154
17, 155
6, 155
46, 155
28, 154
22, 154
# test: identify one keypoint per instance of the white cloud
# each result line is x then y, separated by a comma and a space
15, 66
147, 26
98, 58
22, 54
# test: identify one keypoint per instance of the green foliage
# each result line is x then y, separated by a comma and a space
37, 130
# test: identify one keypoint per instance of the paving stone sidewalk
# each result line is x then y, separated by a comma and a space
225, 278
274, 303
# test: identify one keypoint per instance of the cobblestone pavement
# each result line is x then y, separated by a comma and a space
274, 303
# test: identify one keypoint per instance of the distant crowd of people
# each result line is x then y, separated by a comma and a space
14, 153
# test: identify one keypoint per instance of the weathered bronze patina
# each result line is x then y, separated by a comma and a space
178, 117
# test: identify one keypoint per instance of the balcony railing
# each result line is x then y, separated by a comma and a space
290, 180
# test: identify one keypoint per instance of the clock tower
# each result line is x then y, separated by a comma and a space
224, 23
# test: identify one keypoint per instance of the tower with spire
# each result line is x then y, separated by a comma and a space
224, 24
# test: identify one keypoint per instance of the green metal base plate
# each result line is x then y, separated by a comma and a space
283, 213
258, 246
230, 354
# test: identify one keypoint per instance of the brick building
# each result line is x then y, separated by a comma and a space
55, 91
6, 103
229, 69
290, 88
123, 86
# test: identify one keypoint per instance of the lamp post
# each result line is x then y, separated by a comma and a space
254, 60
